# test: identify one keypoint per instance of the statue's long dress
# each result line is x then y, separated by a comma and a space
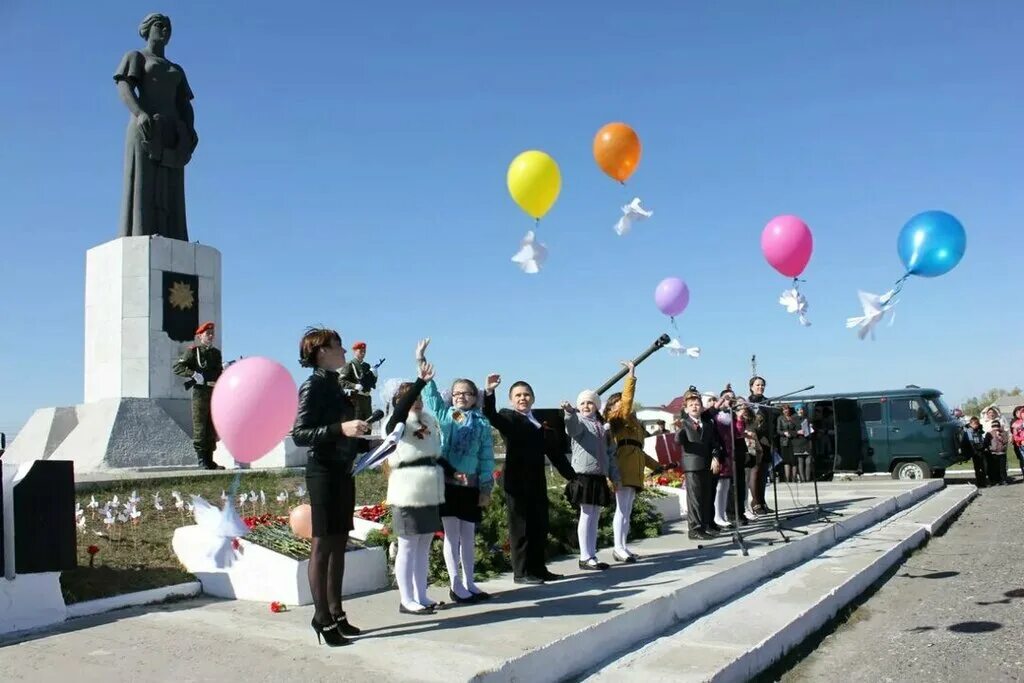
154, 169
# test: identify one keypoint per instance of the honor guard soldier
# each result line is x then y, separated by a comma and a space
202, 364
358, 379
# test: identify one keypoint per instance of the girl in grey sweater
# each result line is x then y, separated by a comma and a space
593, 459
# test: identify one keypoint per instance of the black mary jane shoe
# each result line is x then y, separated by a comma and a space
426, 611
593, 565
456, 599
346, 628
628, 559
479, 596
330, 634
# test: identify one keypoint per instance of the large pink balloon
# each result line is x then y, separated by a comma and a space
254, 405
672, 296
787, 245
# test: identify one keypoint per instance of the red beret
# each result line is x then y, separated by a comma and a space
204, 327
359, 345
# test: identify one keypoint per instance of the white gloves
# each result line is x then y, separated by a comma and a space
198, 378
359, 387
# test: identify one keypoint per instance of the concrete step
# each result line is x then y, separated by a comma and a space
745, 636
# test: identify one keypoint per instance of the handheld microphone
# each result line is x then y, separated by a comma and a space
375, 417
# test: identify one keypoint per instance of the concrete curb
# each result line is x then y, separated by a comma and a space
584, 649
147, 597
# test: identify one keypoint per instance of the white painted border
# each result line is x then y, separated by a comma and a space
146, 597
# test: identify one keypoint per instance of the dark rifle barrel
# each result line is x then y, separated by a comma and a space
658, 343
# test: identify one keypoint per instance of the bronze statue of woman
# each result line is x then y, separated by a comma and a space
160, 139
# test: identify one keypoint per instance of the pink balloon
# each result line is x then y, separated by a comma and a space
254, 405
787, 244
672, 296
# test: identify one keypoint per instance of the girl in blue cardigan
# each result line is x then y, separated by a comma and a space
466, 444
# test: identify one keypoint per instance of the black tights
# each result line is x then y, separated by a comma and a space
326, 571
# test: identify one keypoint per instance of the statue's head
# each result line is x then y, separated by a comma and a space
157, 27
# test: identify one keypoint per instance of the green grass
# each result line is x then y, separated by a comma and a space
134, 557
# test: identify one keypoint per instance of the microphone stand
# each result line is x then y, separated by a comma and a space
821, 513
775, 487
658, 343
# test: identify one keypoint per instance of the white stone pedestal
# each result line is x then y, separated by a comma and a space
136, 412
127, 353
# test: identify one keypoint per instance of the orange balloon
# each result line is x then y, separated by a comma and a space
301, 521
617, 150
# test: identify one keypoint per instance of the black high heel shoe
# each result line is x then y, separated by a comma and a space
346, 628
330, 634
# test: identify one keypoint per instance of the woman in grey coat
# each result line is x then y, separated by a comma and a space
593, 460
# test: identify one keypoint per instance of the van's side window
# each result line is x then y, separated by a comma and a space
871, 412
907, 410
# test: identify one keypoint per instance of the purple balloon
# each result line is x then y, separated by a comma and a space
672, 296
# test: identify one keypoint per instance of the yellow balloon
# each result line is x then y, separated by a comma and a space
534, 182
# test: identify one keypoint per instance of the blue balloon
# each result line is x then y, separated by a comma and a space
931, 244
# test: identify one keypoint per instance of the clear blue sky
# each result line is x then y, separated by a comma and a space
351, 169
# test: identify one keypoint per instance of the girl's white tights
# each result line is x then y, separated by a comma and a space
721, 500
587, 531
459, 557
411, 565
624, 498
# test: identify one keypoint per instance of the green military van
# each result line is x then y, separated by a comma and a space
909, 432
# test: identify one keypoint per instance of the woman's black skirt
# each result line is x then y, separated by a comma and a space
589, 489
332, 497
462, 502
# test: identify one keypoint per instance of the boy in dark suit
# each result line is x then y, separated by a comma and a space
701, 446
527, 442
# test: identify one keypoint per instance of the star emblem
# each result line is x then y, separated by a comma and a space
181, 296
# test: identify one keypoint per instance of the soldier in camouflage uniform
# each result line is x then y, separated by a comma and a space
202, 364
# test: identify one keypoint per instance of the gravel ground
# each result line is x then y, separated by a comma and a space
954, 611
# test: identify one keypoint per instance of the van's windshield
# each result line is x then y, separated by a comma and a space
938, 408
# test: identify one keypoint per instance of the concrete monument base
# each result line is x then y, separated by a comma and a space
144, 297
109, 434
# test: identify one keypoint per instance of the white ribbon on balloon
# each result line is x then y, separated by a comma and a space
531, 254
631, 213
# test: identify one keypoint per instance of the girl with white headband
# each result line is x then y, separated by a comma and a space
593, 460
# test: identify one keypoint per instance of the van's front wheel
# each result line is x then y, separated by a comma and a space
915, 469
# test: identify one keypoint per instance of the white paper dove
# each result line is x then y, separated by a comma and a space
222, 527
795, 302
631, 213
875, 308
531, 254
676, 348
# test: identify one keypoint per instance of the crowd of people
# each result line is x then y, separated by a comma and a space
986, 441
441, 471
